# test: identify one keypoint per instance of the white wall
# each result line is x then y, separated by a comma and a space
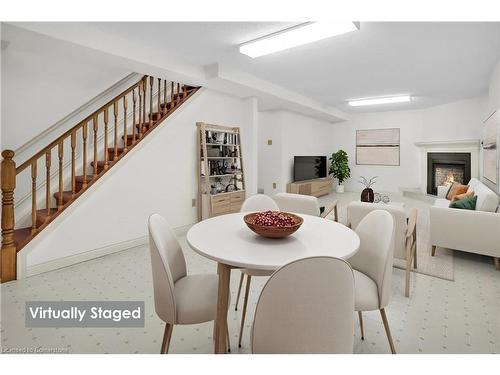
45, 79
454, 121
291, 134
159, 175
494, 104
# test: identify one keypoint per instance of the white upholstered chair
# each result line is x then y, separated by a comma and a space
179, 298
304, 204
255, 203
405, 236
372, 266
306, 307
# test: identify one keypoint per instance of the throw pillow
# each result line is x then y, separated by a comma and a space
465, 204
468, 194
455, 189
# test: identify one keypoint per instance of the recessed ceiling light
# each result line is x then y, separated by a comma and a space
374, 101
296, 36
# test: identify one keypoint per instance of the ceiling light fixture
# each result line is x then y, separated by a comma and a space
374, 101
296, 36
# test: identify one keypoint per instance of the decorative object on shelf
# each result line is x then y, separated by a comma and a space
221, 180
273, 224
339, 168
367, 195
385, 199
377, 198
377, 147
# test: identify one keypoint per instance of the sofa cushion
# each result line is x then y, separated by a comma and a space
456, 189
465, 204
487, 200
441, 202
468, 194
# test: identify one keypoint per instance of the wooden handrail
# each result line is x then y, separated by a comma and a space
83, 136
66, 134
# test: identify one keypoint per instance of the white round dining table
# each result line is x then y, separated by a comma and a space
227, 240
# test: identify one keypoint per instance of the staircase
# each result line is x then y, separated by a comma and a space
79, 157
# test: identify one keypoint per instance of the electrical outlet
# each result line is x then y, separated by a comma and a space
269, 142
193, 202
274, 185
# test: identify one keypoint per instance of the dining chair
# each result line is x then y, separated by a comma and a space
255, 203
259, 202
405, 236
179, 298
304, 204
306, 306
372, 266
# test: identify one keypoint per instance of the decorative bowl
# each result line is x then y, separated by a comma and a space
273, 231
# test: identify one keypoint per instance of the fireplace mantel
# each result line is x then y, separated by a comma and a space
471, 146
464, 143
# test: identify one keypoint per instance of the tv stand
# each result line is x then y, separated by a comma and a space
316, 187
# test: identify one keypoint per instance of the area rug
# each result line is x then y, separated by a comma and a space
440, 265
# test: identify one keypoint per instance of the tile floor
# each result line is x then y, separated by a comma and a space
460, 316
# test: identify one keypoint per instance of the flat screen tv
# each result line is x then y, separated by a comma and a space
309, 167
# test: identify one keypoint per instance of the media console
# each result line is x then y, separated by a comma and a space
316, 187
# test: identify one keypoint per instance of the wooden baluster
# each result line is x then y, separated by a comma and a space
115, 109
8, 183
151, 81
125, 140
48, 156
172, 101
165, 96
134, 99
33, 195
60, 154
140, 109
144, 84
96, 128
159, 99
106, 153
184, 92
178, 92
73, 162
84, 136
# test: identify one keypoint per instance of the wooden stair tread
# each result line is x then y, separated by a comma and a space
41, 215
101, 163
66, 196
81, 178
21, 236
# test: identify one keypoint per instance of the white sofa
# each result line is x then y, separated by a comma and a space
475, 231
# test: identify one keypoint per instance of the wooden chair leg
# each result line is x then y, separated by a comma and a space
415, 255
496, 260
243, 314
227, 337
166, 338
407, 278
433, 252
239, 291
387, 330
360, 315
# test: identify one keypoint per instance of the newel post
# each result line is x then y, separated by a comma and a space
8, 184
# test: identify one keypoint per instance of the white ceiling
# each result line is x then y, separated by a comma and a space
435, 62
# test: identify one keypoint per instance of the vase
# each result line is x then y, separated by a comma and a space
367, 195
340, 188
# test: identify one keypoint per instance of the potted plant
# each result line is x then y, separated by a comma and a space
339, 168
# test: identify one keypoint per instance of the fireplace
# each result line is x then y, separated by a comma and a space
444, 168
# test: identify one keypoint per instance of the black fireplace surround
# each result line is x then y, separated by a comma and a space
446, 159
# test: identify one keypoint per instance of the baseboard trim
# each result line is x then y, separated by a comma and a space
90, 255
83, 257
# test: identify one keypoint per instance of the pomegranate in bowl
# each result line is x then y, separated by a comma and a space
273, 224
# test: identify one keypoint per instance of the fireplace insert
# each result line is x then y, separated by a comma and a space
444, 168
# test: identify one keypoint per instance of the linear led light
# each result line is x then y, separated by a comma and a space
374, 101
296, 36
